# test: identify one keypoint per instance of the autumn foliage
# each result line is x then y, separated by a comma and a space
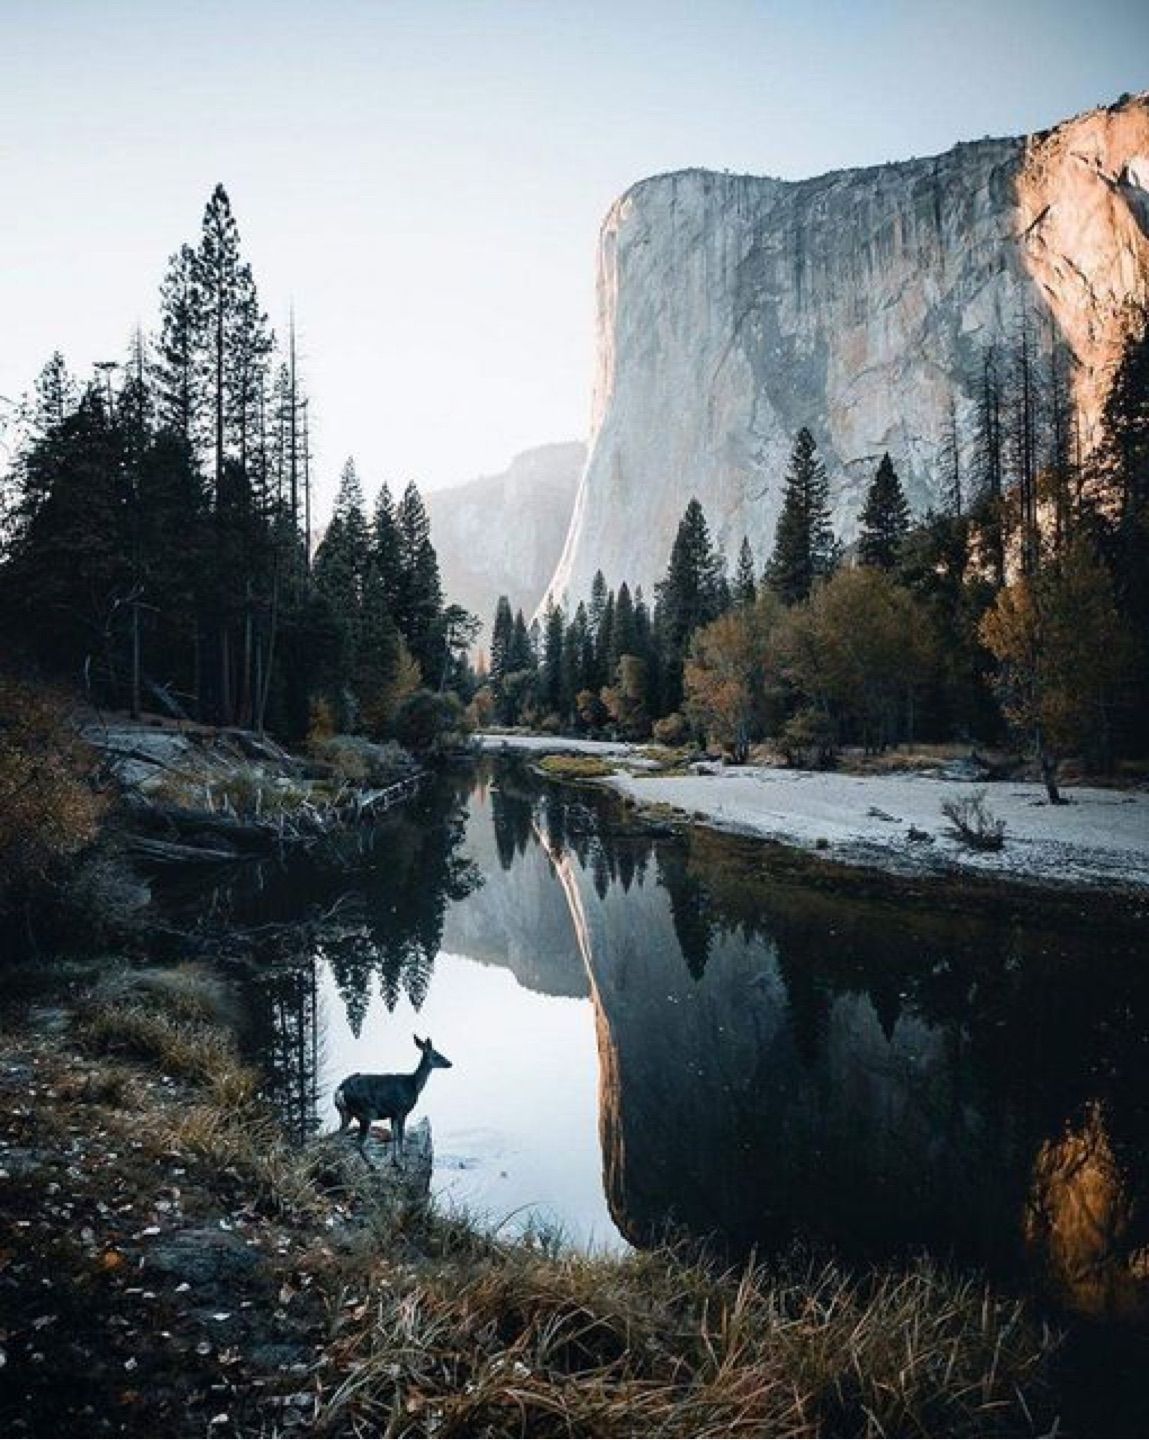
50, 807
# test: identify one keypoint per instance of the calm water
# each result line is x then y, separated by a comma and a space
657, 1032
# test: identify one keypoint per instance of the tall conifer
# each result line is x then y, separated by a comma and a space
804, 549
885, 519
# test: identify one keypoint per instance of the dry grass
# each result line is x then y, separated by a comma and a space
182, 992
245, 791
906, 759
438, 1327
246, 1146
576, 767
104, 1083
194, 1050
656, 1344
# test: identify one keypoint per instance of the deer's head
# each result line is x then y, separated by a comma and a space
432, 1056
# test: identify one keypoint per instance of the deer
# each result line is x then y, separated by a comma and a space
367, 1098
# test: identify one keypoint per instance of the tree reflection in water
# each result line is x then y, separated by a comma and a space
781, 1058
774, 1057
371, 906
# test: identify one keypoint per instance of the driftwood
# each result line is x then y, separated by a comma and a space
170, 852
200, 827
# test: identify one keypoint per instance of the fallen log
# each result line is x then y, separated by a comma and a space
189, 824
171, 852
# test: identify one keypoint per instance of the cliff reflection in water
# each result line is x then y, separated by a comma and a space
773, 1059
778, 1061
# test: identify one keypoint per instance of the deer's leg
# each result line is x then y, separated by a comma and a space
397, 1127
344, 1113
364, 1131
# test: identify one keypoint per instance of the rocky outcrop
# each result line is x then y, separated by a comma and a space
502, 534
734, 309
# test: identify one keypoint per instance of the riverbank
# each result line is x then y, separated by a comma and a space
1098, 840
172, 1266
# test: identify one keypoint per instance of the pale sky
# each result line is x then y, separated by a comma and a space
424, 179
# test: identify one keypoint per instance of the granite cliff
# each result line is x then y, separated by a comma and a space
503, 534
734, 309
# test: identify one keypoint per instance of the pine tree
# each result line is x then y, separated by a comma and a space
245, 379
578, 656
597, 605
885, 519
219, 285
804, 547
950, 457
349, 508
376, 652
420, 597
691, 595
68, 570
1123, 465
341, 574
745, 587
989, 465
624, 632
501, 635
55, 395
551, 679
385, 555
177, 374
604, 643
522, 655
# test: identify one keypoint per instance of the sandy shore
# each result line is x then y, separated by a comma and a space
1099, 839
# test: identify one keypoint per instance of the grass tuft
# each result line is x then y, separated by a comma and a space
192, 1050
576, 767
521, 1342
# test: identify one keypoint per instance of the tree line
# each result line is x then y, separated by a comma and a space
157, 523
1019, 607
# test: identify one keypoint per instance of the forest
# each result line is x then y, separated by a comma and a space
158, 534
1017, 613
158, 553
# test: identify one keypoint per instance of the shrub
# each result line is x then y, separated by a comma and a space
362, 762
591, 711
672, 730
320, 721
807, 740
427, 723
481, 710
50, 805
973, 823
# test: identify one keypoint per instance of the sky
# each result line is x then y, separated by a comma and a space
423, 180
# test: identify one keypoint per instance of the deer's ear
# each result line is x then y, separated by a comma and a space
422, 1044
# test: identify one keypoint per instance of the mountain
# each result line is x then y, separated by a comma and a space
502, 534
734, 309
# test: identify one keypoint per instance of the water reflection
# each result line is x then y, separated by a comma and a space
770, 1059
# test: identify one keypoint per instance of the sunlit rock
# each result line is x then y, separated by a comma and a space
734, 309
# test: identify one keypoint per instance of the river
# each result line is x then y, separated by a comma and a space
650, 1034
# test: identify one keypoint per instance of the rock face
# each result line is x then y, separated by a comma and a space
503, 534
734, 309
